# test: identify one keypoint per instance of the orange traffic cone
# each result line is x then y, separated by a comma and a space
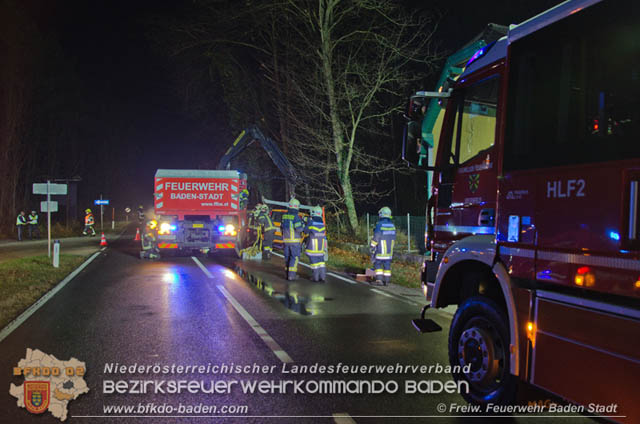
137, 235
103, 241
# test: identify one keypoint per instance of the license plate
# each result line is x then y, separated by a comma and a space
198, 225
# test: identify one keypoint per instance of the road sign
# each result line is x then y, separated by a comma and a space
101, 202
53, 206
53, 188
127, 210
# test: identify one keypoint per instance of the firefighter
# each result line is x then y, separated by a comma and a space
34, 230
316, 244
384, 237
254, 224
243, 198
291, 228
268, 231
89, 222
149, 242
21, 223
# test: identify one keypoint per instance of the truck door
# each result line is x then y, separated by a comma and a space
568, 202
467, 183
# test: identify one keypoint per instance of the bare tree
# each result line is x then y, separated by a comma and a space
354, 59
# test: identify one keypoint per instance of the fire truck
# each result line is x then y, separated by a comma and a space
533, 225
199, 210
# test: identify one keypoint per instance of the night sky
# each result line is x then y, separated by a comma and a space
131, 83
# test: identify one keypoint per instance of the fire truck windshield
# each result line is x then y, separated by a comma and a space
475, 124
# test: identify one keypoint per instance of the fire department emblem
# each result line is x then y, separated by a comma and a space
474, 182
36, 396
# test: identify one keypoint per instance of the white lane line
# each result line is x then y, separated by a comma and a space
269, 341
299, 262
343, 418
342, 278
33, 308
202, 267
394, 297
328, 273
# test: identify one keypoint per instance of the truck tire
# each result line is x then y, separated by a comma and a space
479, 336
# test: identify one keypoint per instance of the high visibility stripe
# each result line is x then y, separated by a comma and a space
392, 243
225, 245
167, 245
379, 271
384, 247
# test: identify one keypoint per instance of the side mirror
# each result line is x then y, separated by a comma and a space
414, 150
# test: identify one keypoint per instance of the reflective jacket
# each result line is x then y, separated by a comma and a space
317, 241
88, 219
21, 220
266, 222
291, 227
33, 219
384, 237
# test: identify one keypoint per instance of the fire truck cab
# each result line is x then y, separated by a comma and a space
533, 224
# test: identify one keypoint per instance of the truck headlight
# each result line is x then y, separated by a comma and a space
230, 230
165, 228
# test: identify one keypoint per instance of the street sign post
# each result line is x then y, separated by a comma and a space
49, 189
41, 188
51, 206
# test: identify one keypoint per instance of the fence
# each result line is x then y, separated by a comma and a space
413, 226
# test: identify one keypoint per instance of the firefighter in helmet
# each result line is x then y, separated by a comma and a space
291, 228
384, 238
268, 231
89, 222
316, 244
150, 242
243, 198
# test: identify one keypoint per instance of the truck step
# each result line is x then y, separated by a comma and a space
426, 325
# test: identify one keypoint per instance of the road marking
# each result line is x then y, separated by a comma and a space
328, 273
343, 418
394, 297
33, 308
342, 278
202, 267
270, 342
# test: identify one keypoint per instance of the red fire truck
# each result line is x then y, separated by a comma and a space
535, 230
199, 210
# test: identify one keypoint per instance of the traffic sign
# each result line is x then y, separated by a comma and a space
41, 188
53, 206
127, 210
101, 202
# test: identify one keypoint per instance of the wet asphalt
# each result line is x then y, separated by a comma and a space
124, 310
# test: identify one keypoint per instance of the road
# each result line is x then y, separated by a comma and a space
202, 311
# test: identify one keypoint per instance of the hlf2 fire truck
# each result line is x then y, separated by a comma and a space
535, 232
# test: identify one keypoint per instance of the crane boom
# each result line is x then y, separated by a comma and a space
246, 138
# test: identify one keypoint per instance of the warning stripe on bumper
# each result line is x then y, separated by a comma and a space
225, 245
167, 245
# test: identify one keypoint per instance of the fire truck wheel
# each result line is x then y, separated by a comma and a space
479, 339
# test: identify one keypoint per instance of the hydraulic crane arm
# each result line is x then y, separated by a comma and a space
246, 138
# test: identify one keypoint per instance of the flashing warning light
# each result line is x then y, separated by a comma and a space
531, 332
153, 224
614, 236
584, 277
221, 228
637, 284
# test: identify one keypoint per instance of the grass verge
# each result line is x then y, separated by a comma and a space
25, 280
402, 273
